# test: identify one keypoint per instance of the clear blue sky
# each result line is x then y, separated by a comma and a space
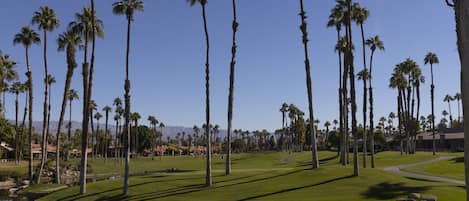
167, 57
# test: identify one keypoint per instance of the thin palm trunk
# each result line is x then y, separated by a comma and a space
106, 136
315, 161
21, 145
365, 77
45, 112
432, 90
208, 176
16, 128
93, 135
352, 90
372, 134
85, 121
230, 96
30, 83
341, 108
127, 113
69, 136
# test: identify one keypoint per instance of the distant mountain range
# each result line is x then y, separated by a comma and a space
167, 131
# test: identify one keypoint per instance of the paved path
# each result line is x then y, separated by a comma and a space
399, 170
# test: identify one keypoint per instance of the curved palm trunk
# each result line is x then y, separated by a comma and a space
127, 113
45, 112
364, 98
68, 82
372, 134
230, 96
303, 27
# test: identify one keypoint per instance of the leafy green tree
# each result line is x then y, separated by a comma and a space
28, 37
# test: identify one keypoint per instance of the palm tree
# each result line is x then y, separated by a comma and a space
374, 43
161, 136
208, 176
88, 25
283, 110
135, 116
72, 95
47, 21
118, 104
50, 80
336, 20
97, 116
106, 110
68, 40
304, 30
431, 58
153, 121
127, 8
28, 37
92, 107
17, 88
458, 98
364, 75
7, 74
448, 98
231, 89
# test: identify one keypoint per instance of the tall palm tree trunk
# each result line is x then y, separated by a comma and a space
208, 176
21, 145
352, 90
304, 30
44, 120
106, 143
127, 113
30, 83
230, 96
16, 128
372, 134
432, 91
364, 98
69, 136
68, 82
341, 108
85, 121
462, 29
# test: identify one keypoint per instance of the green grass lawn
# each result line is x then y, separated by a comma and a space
264, 176
452, 168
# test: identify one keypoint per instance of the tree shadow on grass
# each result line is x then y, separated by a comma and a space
418, 179
386, 190
321, 161
295, 188
79, 196
458, 160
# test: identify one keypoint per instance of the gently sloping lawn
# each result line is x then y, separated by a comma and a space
452, 168
330, 182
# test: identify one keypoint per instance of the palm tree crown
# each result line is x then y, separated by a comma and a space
127, 7
431, 58
26, 37
375, 43
46, 19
